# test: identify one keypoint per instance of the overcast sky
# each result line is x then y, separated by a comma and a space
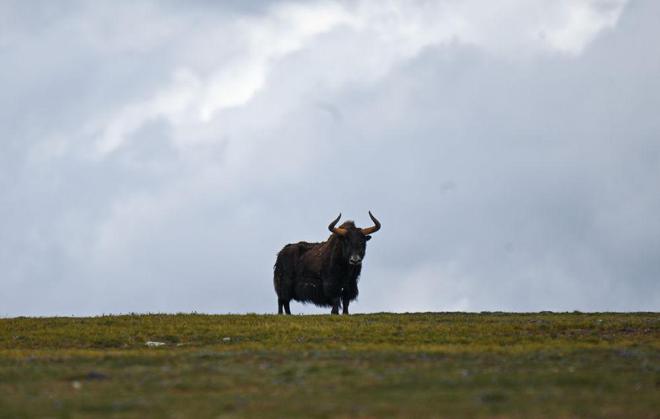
155, 156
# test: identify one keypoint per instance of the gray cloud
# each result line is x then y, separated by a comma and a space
156, 159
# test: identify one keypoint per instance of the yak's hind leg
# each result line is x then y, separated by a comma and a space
283, 300
280, 306
283, 304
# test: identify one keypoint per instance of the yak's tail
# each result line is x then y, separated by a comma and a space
281, 285
284, 269
277, 277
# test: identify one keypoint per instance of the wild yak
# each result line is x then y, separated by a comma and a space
323, 273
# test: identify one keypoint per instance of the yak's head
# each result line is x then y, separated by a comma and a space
353, 240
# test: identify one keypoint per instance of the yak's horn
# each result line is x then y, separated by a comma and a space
373, 229
337, 230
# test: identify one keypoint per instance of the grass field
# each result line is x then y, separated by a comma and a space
375, 365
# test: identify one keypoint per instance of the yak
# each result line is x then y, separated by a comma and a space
325, 273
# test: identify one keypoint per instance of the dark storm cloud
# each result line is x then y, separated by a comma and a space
161, 168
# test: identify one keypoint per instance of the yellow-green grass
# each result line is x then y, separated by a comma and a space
375, 365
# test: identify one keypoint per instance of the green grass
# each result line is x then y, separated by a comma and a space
376, 365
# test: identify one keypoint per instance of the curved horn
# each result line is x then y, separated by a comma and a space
337, 230
373, 229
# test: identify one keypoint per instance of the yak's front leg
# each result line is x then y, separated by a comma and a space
348, 294
335, 306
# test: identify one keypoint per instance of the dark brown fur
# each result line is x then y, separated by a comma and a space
320, 273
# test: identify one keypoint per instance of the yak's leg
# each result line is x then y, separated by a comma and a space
283, 304
348, 294
335, 306
344, 303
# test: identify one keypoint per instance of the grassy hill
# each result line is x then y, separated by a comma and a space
376, 365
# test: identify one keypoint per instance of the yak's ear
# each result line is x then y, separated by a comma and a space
367, 238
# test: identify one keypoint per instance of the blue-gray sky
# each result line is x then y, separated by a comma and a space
155, 156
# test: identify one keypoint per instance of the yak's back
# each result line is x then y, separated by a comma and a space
297, 249
290, 255
304, 246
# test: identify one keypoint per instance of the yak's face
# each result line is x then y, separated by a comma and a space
354, 245
353, 240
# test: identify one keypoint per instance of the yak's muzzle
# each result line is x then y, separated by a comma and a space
355, 260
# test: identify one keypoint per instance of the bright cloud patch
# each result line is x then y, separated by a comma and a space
387, 34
